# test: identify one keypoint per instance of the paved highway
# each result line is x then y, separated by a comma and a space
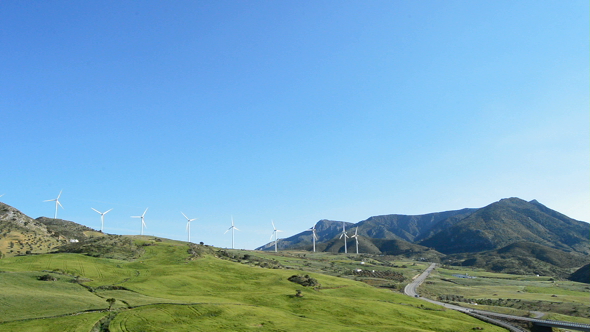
412, 290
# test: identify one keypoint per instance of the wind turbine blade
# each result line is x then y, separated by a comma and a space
107, 211
237, 229
49, 200
95, 210
184, 215
144, 212
143, 223
58, 203
227, 230
59, 195
273, 224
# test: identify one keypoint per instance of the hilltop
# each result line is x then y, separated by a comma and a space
509, 221
22, 235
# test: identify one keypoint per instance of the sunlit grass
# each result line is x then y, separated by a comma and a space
166, 291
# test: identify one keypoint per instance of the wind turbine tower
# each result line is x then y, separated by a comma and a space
274, 232
345, 236
232, 228
356, 238
142, 220
57, 203
188, 225
314, 237
101, 218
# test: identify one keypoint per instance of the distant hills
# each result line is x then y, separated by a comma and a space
509, 221
511, 235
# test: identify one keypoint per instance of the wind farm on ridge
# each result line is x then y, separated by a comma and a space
232, 228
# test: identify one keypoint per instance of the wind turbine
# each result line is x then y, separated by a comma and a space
356, 238
345, 236
313, 236
57, 203
274, 232
232, 231
142, 220
188, 225
101, 217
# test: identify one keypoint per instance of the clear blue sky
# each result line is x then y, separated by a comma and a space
293, 111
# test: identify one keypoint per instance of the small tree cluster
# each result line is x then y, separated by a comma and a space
304, 280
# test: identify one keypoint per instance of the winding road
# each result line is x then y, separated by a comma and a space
412, 290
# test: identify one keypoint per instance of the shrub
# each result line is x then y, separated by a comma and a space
47, 277
304, 280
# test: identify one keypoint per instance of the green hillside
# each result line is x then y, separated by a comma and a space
172, 287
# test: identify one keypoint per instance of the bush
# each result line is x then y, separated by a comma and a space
305, 280
47, 277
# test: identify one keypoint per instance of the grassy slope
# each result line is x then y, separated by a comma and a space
206, 294
77, 323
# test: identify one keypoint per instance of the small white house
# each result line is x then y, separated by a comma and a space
74, 241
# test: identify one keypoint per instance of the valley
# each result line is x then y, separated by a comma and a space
105, 282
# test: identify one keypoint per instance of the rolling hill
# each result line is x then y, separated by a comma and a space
169, 288
22, 235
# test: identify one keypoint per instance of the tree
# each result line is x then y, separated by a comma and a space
111, 301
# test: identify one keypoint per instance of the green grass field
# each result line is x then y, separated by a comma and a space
513, 293
165, 291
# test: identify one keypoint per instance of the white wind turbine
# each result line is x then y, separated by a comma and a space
188, 225
314, 237
101, 217
232, 231
345, 236
356, 238
57, 203
274, 232
142, 220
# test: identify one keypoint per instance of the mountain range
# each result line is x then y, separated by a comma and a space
511, 228
511, 235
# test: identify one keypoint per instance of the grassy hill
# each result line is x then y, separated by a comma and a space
176, 287
581, 275
20, 234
